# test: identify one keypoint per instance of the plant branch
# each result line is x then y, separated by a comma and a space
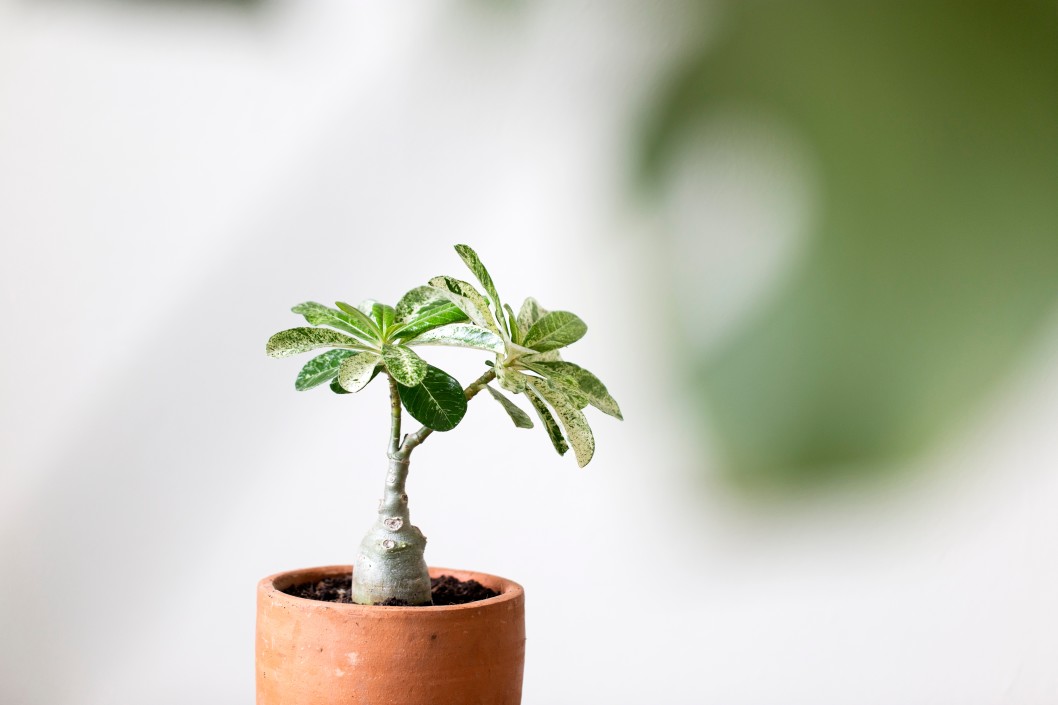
395, 414
414, 440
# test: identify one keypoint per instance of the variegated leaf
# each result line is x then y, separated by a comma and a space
320, 315
530, 313
468, 299
573, 421
336, 387
423, 308
550, 425
473, 262
438, 314
519, 417
437, 402
555, 330
320, 369
383, 316
512, 324
461, 335
298, 340
577, 382
363, 319
357, 370
511, 380
405, 366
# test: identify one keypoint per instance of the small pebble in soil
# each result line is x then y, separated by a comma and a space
445, 590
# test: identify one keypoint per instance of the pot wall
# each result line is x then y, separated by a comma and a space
323, 653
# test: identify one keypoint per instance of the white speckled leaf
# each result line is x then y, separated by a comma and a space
298, 340
320, 315
461, 335
555, 330
320, 369
357, 370
550, 425
519, 417
578, 382
530, 313
468, 299
473, 262
423, 308
573, 421
405, 366
511, 380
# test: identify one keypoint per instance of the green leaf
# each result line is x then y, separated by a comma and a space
423, 308
363, 319
437, 402
336, 387
461, 335
357, 370
383, 316
550, 425
405, 366
512, 324
519, 417
298, 340
577, 382
555, 330
320, 315
530, 313
473, 262
320, 369
468, 299
573, 421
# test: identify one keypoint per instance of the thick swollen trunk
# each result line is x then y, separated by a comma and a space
390, 565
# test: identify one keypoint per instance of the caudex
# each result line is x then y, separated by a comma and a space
372, 338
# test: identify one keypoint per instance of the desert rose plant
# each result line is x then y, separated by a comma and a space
372, 338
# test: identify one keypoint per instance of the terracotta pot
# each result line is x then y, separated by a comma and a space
323, 653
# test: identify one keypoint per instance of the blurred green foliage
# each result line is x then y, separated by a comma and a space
934, 257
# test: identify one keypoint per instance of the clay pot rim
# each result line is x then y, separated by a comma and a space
508, 589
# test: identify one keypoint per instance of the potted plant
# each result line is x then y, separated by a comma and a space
371, 632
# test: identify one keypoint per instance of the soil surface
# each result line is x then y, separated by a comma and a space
446, 590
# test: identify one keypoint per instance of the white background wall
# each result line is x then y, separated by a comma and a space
174, 177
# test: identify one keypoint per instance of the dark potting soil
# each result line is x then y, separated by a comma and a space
445, 590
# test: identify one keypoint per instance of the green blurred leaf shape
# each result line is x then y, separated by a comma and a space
403, 364
934, 254
437, 401
519, 417
320, 369
555, 330
298, 340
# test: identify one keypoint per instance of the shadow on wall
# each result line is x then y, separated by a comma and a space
933, 257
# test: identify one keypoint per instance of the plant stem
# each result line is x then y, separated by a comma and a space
391, 565
416, 439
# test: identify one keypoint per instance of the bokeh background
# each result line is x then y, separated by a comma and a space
816, 243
